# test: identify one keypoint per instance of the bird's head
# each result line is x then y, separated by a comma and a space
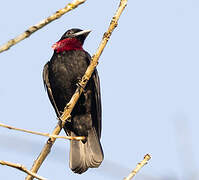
72, 39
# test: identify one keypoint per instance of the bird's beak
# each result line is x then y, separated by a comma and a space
84, 32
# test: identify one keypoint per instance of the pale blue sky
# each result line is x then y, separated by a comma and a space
149, 82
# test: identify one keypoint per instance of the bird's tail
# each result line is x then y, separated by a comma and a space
85, 155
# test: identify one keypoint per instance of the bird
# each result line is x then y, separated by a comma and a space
61, 76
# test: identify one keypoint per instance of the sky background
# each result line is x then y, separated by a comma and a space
149, 85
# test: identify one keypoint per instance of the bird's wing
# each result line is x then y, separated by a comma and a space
47, 86
96, 107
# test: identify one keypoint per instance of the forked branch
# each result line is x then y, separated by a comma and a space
77, 138
22, 168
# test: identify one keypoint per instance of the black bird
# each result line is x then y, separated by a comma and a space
61, 76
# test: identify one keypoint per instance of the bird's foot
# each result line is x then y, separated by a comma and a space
80, 86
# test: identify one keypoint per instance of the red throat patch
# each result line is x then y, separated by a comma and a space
67, 45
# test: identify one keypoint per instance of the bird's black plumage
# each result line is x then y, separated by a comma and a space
61, 75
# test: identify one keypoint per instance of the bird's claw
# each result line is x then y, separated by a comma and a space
80, 86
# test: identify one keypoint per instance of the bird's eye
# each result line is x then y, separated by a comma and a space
70, 32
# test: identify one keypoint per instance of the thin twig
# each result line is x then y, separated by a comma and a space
147, 157
78, 138
22, 168
32, 29
69, 107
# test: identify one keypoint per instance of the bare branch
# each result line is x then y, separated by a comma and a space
41, 24
22, 168
147, 157
78, 138
69, 107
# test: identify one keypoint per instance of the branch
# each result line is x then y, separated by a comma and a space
41, 24
22, 168
78, 138
147, 157
69, 107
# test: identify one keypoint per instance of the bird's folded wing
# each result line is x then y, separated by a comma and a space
47, 86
